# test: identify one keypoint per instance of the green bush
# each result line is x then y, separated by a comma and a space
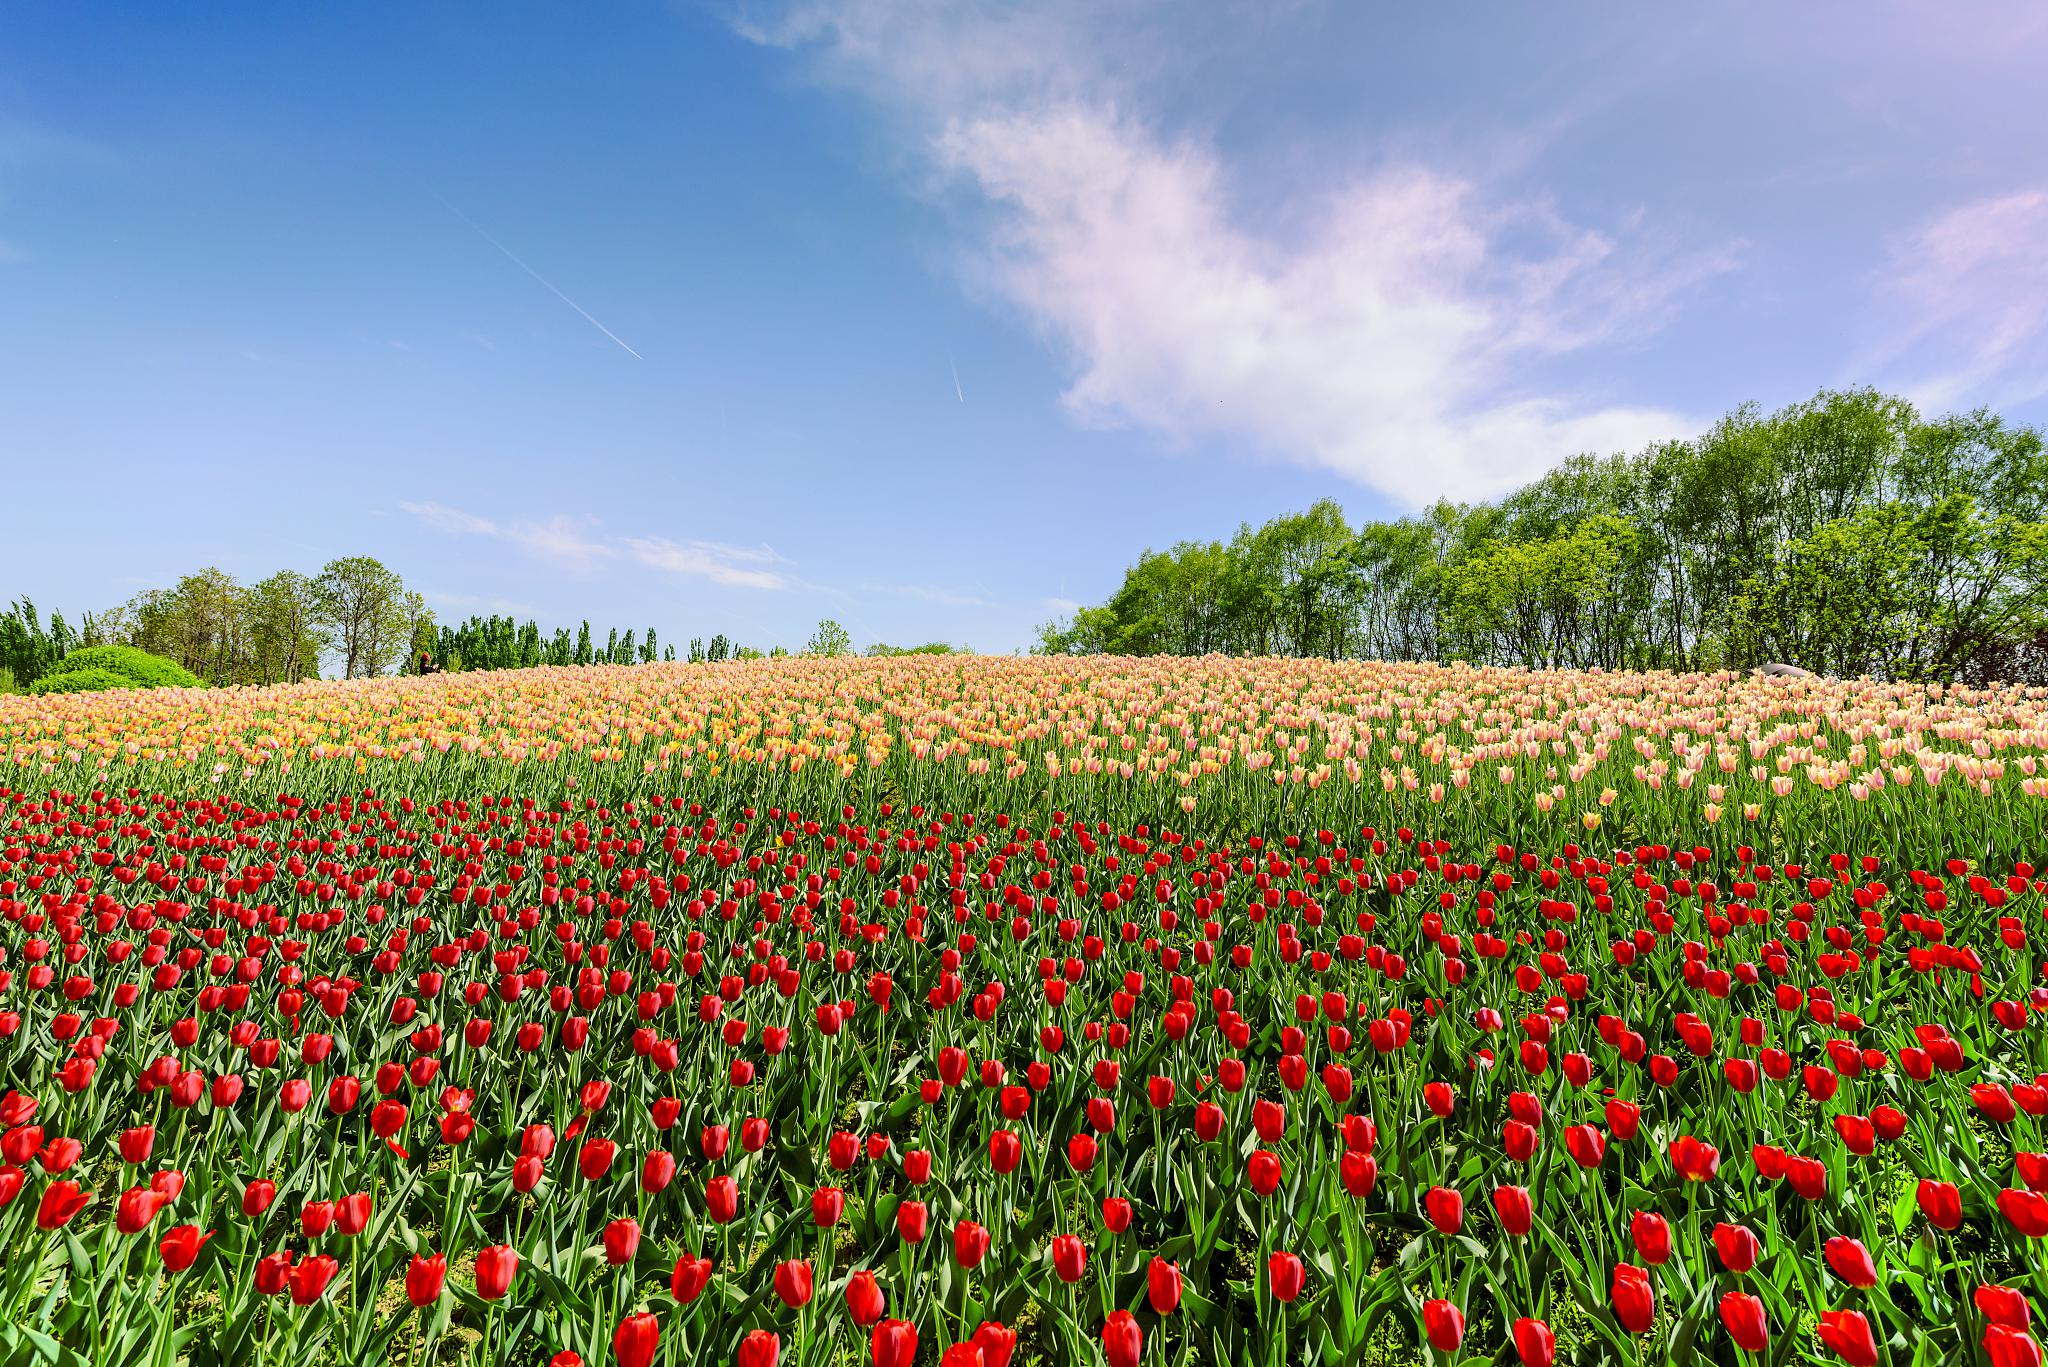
80, 681
136, 669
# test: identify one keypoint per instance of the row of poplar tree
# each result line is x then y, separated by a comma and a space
1849, 534
354, 619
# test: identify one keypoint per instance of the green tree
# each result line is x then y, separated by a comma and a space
368, 615
830, 639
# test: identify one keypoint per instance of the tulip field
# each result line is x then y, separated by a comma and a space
980, 1012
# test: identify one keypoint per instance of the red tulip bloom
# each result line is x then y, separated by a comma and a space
137, 1207
722, 1199
759, 1349
1445, 1208
1116, 1214
1743, 1316
692, 1274
180, 1247
1517, 1214
1162, 1285
424, 1278
2003, 1305
1694, 1161
2025, 1211
793, 1283
1359, 1172
1440, 1099
309, 1279
1586, 1145
970, 1244
1738, 1248
1284, 1275
1635, 1302
1535, 1344
864, 1299
1444, 1324
595, 1159
1850, 1261
136, 1143
1005, 1151
894, 1344
997, 1343
912, 1221
1651, 1236
495, 1267
1941, 1203
621, 1242
1994, 1102
1847, 1335
827, 1205
2006, 1347
637, 1339
1069, 1257
1122, 1341
352, 1213
657, 1172
1263, 1171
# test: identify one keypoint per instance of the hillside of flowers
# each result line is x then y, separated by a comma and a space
980, 1011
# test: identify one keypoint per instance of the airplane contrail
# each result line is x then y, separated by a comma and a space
960, 393
542, 279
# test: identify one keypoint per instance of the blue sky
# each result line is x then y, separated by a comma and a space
931, 317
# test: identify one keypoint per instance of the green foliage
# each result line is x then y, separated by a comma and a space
830, 639
878, 651
81, 681
1847, 534
138, 668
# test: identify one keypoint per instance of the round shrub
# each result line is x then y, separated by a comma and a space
80, 681
138, 669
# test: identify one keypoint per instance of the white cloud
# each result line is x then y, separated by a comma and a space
1970, 287
1387, 341
731, 565
932, 593
572, 541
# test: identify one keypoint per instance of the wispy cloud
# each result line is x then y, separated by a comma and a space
930, 593
1966, 295
1386, 336
576, 542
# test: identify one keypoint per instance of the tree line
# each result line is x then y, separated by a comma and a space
1848, 534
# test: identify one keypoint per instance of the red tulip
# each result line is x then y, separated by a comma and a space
1635, 1302
997, 1342
1586, 1145
827, 1205
970, 1244
180, 1247
1850, 1261
136, 1208
793, 1283
621, 1242
722, 1199
1738, 1248
1444, 1324
1743, 1316
1694, 1161
1284, 1276
1445, 1208
1847, 1335
1162, 1285
309, 1279
1517, 1214
2007, 1347
1262, 1170
759, 1349
1122, 1341
2003, 1305
1534, 1343
495, 1267
893, 1344
637, 1339
864, 1299
1651, 1236
692, 1274
424, 1278
657, 1172
2025, 1211
1005, 1151
1941, 1203
1069, 1257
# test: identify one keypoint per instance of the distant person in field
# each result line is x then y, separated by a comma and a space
427, 665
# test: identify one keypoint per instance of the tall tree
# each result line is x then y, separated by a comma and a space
367, 612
